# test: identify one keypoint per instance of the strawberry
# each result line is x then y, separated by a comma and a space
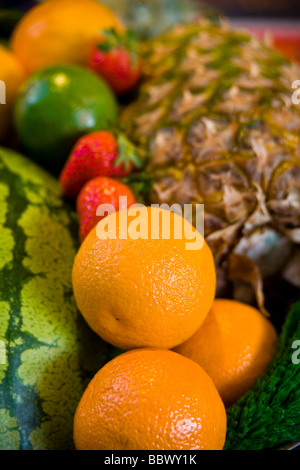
98, 191
99, 153
117, 61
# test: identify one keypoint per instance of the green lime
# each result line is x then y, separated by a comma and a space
56, 106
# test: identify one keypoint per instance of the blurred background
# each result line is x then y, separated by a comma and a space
275, 8
279, 19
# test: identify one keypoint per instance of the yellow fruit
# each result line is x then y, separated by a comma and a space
150, 399
143, 292
11, 75
234, 345
61, 31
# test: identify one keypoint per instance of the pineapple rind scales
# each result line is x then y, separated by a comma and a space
216, 118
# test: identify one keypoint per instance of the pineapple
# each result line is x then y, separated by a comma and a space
215, 117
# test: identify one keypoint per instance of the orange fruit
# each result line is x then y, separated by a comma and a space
12, 74
150, 399
61, 31
234, 345
136, 291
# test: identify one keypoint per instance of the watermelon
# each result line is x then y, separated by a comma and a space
47, 352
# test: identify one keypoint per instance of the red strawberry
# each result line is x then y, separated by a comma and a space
117, 61
99, 153
98, 191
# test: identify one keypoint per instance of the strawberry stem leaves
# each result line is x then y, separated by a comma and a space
128, 153
115, 41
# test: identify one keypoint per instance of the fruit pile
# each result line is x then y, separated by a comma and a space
113, 334
147, 296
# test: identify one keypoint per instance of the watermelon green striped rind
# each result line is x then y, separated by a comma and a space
47, 353
268, 416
